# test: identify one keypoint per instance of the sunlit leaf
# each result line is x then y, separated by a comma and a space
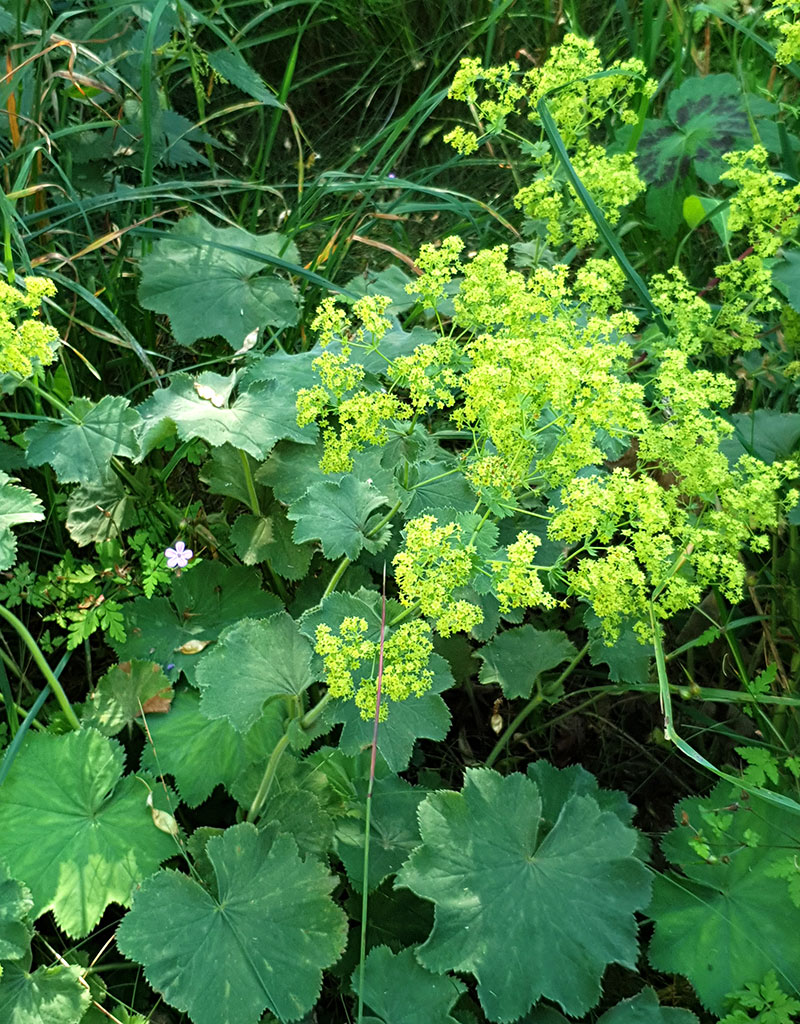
206, 289
73, 830
80, 447
121, 693
17, 505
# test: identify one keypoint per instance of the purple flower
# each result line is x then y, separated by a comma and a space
178, 557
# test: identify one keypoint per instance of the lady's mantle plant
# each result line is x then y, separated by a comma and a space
535, 444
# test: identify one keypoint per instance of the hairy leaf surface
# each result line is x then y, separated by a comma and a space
204, 601
337, 515
253, 422
51, 994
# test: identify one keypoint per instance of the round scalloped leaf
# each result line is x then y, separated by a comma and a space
562, 900
15, 905
260, 943
516, 658
254, 660
53, 995
733, 904
74, 831
207, 289
122, 693
400, 991
337, 514
79, 447
253, 422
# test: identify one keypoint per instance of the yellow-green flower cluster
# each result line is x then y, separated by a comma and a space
518, 583
438, 266
529, 355
429, 374
645, 542
685, 443
348, 422
501, 93
579, 100
611, 179
24, 340
583, 101
688, 318
785, 13
764, 207
352, 663
436, 561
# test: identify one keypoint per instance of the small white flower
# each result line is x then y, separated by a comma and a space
178, 557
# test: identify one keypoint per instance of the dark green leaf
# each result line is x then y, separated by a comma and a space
272, 925
204, 601
399, 991
517, 657
511, 899
731, 902
393, 830
230, 65
254, 660
99, 511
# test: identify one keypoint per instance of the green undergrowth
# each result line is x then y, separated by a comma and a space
399, 515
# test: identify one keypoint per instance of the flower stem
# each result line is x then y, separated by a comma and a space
362, 954
44, 668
